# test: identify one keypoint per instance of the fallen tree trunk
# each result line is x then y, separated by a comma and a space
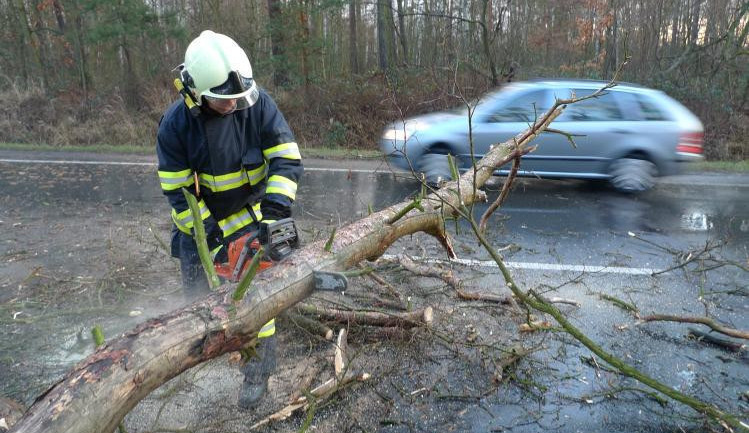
100, 390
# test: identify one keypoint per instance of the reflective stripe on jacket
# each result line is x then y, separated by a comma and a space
240, 159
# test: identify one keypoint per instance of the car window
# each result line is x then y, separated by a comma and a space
648, 109
601, 108
524, 108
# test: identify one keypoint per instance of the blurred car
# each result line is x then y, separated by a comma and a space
629, 135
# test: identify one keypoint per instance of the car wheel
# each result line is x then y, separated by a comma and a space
435, 167
632, 174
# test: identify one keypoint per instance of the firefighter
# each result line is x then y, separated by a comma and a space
226, 142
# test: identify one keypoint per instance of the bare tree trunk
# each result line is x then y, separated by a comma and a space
59, 15
402, 32
381, 36
40, 51
280, 76
427, 46
612, 42
486, 25
675, 28
83, 70
353, 46
24, 40
694, 28
304, 36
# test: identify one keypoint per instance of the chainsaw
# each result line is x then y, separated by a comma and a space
279, 239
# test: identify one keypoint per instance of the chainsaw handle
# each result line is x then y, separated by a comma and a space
279, 237
276, 232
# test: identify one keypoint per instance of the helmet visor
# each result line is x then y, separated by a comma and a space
235, 86
229, 105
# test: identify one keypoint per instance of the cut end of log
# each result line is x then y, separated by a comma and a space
340, 361
428, 316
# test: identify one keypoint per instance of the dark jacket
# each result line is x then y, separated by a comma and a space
247, 165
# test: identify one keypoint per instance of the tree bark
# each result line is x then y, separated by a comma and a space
353, 44
99, 391
278, 48
402, 36
486, 24
382, 48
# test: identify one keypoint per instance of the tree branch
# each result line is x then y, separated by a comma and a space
710, 323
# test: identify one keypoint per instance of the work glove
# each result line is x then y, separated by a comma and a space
274, 211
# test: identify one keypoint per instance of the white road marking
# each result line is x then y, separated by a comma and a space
153, 164
538, 266
345, 170
78, 162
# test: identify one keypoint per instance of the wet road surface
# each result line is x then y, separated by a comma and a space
575, 239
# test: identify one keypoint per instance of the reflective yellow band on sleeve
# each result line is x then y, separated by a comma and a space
281, 185
257, 174
171, 180
285, 150
236, 221
223, 182
184, 220
268, 329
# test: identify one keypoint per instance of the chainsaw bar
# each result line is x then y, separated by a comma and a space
330, 281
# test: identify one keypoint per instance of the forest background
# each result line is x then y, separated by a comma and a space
99, 72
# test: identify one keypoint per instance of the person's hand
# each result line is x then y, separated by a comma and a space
264, 232
273, 211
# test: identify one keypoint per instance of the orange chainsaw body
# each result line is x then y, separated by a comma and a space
234, 251
278, 238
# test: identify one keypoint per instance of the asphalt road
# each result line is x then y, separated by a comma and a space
677, 249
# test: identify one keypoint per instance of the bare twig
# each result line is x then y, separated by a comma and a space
323, 391
707, 321
386, 285
305, 383
311, 325
556, 300
505, 188
448, 277
619, 303
721, 342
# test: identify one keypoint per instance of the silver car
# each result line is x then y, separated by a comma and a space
629, 135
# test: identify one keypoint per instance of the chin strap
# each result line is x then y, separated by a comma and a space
189, 101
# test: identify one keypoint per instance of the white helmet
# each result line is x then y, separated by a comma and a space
217, 67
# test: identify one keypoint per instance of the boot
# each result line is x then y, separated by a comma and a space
256, 373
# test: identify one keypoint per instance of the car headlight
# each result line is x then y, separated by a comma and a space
397, 134
403, 132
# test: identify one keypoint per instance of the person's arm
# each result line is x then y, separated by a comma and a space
174, 174
285, 168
